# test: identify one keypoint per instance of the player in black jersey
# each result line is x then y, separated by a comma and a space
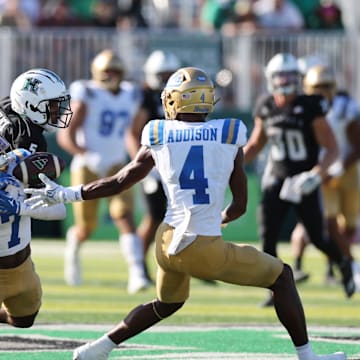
157, 68
38, 102
295, 128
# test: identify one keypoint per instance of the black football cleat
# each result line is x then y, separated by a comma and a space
347, 278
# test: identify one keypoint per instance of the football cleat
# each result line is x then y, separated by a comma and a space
138, 283
269, 302
300, 276
91, 351
336, 356
347, 278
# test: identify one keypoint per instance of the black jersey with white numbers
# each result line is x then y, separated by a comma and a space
152, 103
293, 146
19, 132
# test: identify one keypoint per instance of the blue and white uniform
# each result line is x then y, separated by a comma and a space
194, 161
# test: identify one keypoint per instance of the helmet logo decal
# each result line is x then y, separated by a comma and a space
40, 163
32, 85
175, 80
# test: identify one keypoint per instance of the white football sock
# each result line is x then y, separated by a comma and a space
72, 242
106, 343
132, 248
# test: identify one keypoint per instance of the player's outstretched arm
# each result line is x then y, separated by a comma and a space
125, 178
129, 175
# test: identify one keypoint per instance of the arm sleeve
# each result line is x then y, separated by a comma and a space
9, 131
242, 134
53, 212
352, 111
78, 90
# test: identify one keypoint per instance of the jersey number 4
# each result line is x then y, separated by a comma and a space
192, 175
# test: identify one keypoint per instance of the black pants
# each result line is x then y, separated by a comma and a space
273, 211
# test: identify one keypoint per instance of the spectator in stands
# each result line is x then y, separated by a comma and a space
58, 13
82, 8
328, 16
29, 9
105, 13
215, 13
243, 19
307, 9
131, 16
278, 14
12, 14
350, 11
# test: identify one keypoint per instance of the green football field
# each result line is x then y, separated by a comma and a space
218, 322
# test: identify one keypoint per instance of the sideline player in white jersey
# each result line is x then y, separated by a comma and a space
197, 161
103, 110
341, 190
20, 286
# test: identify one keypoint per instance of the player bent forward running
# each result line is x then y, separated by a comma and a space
197, 160
20, 285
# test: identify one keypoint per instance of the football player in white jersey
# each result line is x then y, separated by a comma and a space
341, 189
197, 161
103, 110
20, 286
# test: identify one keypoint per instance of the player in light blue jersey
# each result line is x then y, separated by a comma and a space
195, 172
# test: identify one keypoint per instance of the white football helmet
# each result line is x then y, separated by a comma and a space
158, 68
282, 74
41, 96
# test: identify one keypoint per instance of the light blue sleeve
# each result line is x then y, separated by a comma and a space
78, 91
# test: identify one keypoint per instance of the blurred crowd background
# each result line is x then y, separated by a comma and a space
228, 16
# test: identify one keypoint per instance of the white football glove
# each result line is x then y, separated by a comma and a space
52, 193
307, 182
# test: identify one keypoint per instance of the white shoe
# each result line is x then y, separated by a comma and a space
356, 275
138, 283
90, 351
72, 269
335, 356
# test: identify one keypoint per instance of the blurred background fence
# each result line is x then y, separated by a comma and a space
69, 52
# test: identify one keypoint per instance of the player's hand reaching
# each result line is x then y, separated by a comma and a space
52, 193
307, 182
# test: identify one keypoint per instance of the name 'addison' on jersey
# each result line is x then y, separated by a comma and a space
185, 154
293, 147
